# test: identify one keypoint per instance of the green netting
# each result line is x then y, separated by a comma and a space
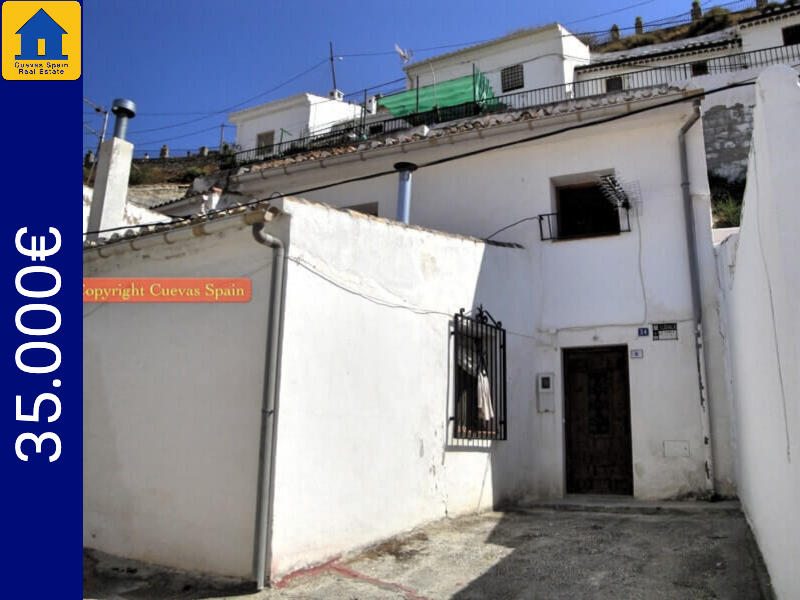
446, 93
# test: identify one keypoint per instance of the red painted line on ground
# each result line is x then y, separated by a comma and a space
347, 572
331, 566
287, 579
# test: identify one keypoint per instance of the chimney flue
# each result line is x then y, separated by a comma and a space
113, 173
404, 170
123, 109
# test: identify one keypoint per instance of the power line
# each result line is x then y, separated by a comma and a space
210, 114
393, 53
611, 12
233, 106
455, 157
177, 137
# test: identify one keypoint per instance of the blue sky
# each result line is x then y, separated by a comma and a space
185, 62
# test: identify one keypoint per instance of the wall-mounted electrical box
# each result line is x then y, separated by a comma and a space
545, 394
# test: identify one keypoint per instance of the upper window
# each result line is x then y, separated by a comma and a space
511, 78
699, 68
587, 209
791, 35
264, 143
614, 84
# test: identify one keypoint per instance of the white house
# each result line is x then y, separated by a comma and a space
524, 60
537, 66
347, 401
363, 445
272, 126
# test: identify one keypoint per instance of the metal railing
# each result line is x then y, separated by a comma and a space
358, 130
480, 377
551, 229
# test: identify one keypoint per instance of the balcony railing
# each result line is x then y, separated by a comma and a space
358, 130
549, 228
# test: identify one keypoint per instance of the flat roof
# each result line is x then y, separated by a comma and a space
508, 37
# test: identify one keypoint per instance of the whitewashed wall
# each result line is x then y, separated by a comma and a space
654, 63
541, 53
584, 292
362, 427
300, 115
766, 34
323, 113
172, 408
761, 281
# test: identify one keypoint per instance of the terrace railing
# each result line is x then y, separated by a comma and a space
358, 130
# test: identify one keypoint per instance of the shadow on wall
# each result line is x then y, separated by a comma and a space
500, 341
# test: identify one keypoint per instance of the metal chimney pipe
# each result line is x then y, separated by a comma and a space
404, 190
123, 109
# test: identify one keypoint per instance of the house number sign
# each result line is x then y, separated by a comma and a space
665, 331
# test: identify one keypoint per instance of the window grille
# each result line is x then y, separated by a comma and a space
512, 78
480, 377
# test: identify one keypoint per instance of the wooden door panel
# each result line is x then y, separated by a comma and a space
598, 432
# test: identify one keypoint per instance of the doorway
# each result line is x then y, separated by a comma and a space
597, 412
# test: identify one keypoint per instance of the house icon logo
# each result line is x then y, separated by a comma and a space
41, 38
41, 41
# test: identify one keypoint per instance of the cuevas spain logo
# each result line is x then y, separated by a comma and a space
41, 40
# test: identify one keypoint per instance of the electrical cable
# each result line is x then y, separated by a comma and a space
460, 156
323, 61
611, 12
177, 137
233, 106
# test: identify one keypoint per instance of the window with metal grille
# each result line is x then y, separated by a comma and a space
791, 35
588, 209
264, 143
511, 78
613, 84
699, 68
480, 377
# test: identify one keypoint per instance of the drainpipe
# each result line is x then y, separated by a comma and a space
404, 190
697, 307
266, 455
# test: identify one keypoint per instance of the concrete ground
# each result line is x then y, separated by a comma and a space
573, 549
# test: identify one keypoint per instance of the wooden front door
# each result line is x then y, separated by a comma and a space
598, 420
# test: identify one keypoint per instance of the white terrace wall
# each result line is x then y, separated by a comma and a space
761, 282
541, 53
767, 33
587, 292
366, 382
300, 115
172, 406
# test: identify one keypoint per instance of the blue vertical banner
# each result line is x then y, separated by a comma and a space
41, 242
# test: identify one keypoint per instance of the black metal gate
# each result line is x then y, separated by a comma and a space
480, 377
